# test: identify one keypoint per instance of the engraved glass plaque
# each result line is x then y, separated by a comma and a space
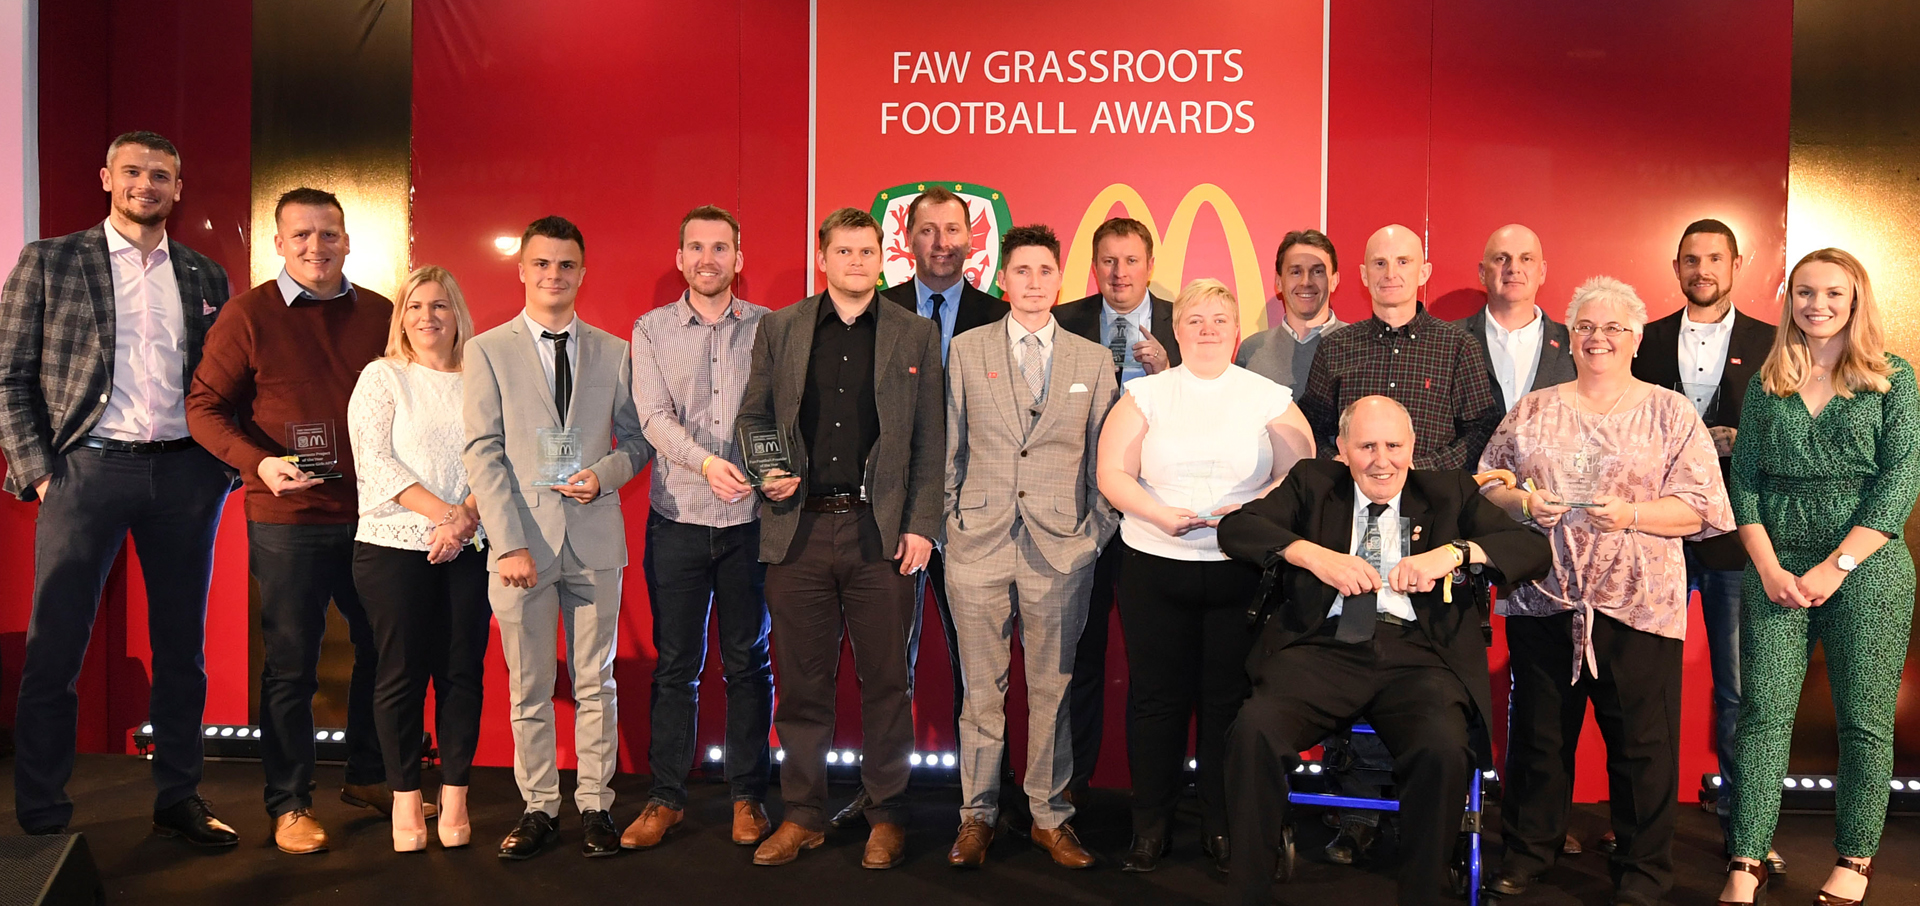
559, 457
314, 447
1202, 482
1581, 481
767, 454
1385, 548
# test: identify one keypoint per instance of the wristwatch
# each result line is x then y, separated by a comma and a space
1466, 552
1846, 563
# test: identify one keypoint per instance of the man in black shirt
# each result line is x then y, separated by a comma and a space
861, 385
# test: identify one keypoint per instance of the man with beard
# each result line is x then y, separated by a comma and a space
1306, 271
1708, 351
690, 362
100, 331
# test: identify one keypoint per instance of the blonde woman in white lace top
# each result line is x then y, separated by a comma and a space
418, 560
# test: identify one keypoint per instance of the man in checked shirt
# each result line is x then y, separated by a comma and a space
1428, 365
690, 364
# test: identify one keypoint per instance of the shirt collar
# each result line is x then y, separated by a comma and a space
535, 328
1360, 502
1330, 323
1687, 322
828, 311
1410, 330
1017, 332
117, 243
685, 314
1496, 330
923, 292
291, 290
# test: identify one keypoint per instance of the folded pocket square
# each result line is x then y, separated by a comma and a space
1077, 388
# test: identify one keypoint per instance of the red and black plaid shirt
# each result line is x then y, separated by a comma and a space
1431, 367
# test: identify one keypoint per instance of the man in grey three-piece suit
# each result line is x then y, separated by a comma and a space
556, 551
1026, 400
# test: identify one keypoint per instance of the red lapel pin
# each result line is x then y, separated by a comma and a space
1554, 343
992, 374
912, 370
1735, 361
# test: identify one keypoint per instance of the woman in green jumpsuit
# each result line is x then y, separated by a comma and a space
1825, 469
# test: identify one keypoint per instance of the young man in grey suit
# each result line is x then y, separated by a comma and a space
557, 550
1524, 349
855, 383
99, 334
1025, 523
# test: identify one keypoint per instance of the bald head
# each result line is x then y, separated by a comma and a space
1513, 268
1394, 268
1376, 441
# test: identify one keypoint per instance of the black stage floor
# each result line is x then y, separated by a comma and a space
698, 866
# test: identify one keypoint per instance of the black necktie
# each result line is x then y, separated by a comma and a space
939, 307
562, 372
1359, 612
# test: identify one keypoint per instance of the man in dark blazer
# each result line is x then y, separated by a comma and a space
940, 233
1352, 637
858, 386
99, 334
1137, 327
1513, 269
1709, 350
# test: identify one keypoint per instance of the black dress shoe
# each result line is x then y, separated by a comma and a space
47, 830
535, 831
1350, 845
855, 811
192, 820
1145, 853
1216, 849
1508, 884
603, 839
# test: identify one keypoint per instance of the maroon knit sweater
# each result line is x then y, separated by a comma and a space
267, 363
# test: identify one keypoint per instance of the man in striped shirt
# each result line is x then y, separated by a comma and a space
690, 363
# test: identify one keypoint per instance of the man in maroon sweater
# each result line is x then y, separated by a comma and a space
288, 352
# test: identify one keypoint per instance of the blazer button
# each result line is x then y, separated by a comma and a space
1023, 493
1023, 452
103, 397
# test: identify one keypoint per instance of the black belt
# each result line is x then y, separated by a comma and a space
142, 447
833, 503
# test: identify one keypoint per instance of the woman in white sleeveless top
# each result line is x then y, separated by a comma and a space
1181, 449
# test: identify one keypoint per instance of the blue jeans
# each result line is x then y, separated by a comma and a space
691, 569
1720, 606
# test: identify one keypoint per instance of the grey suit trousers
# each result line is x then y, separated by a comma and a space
587, 603
992, 598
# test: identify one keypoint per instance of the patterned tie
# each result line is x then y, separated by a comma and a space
1359, 613
1033, 366
1117, 344
562, 372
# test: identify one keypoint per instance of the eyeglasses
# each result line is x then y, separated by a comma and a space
1611, 330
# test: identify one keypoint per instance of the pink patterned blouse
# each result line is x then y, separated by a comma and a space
1658, 448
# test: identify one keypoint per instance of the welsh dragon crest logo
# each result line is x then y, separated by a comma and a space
990, 221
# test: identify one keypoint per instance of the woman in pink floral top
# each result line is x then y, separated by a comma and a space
1621, 472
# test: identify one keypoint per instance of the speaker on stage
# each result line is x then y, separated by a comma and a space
51, 870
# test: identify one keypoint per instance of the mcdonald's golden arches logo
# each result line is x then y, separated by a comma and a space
1170, 249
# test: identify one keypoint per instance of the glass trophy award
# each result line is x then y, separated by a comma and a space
1384, 548
1201, 486
314, 447
767, 454
559, 457
1581, 482
1705, 397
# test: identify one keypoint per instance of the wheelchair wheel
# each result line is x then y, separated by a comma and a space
1283, 871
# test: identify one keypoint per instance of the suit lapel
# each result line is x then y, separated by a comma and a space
886, 348
97, 271
530, 352
1162, 328
1413, 507
587, 360
794, 385
999, 361
1336, 518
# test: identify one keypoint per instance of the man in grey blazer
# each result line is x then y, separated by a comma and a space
557, 550
99, 334
1025, 523
856, 384
1523, 348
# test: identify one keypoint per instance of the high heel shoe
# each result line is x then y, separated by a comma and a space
1861, 868
409, 805
454, 836
1759, 872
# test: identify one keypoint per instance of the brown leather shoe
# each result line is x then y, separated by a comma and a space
376, 796
651, 827
1063, 845
886, 846
970, 848
750, 822
297, 832
787, 844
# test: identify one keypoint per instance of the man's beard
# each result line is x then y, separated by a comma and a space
158, 217
1719, 295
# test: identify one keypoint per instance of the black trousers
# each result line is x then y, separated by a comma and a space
934, 577
299, 569
1419, 708
1087, 692
1187, 642
837, 579
430, 622
171, 503
1636, 702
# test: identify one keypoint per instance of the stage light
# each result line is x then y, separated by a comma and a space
506, 245
256, 732
948, 760
1896, 785
1193, 764
849, 757
1313, 769
213, 731
833, 757
226, 731
1490, 775
1826, 784
715, 753
780, 755
1716, 780
339, 736
320, 736
146, 729
914, 759
1790, 783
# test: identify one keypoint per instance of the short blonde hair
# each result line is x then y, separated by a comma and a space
1607, 289
1863, 361
1201, 291
399, 347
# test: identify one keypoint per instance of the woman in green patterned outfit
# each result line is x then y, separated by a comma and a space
1825, 470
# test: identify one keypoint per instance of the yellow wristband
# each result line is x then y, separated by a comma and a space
1526, 506
703, 464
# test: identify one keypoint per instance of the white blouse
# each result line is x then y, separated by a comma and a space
1206, 447
405, 426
